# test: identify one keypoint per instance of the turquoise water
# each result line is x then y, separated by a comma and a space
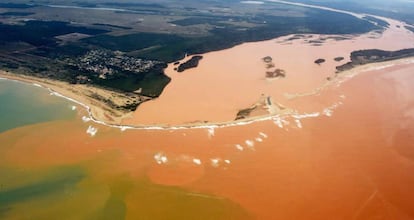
22, 104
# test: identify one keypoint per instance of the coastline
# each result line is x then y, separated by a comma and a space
79, 94
99, 114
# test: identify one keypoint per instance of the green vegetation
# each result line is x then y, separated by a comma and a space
133, 42
16, 13
113, 26
16, 5
362, 57
339, 59
244, 113
320, 61
40, 33
171, 47
191, 63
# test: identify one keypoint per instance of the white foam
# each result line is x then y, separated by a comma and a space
227, 161
249, 143
306, 115
298, 123
164, 159
91, 130
278, 121
215, 162
197, 161
259, 140
37, 85
124, 128
239, 147
85, 119
263, 135
211, 132
328, 112
161, 158
73, 108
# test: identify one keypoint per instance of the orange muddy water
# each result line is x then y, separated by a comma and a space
230, 80
346, 151
356, 162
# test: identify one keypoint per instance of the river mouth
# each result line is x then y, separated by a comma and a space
262, 78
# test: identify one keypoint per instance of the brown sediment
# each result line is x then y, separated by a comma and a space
351, 165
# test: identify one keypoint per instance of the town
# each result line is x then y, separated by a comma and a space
107, 63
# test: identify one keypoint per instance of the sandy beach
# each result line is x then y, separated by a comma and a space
79, 94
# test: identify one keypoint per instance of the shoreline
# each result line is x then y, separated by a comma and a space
92, 108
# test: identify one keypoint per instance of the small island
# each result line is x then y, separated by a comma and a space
339, 59
191, 63
245, 113
362, 57
277, 73
267, 59
320, 61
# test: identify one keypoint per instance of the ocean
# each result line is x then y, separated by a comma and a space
22, 104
